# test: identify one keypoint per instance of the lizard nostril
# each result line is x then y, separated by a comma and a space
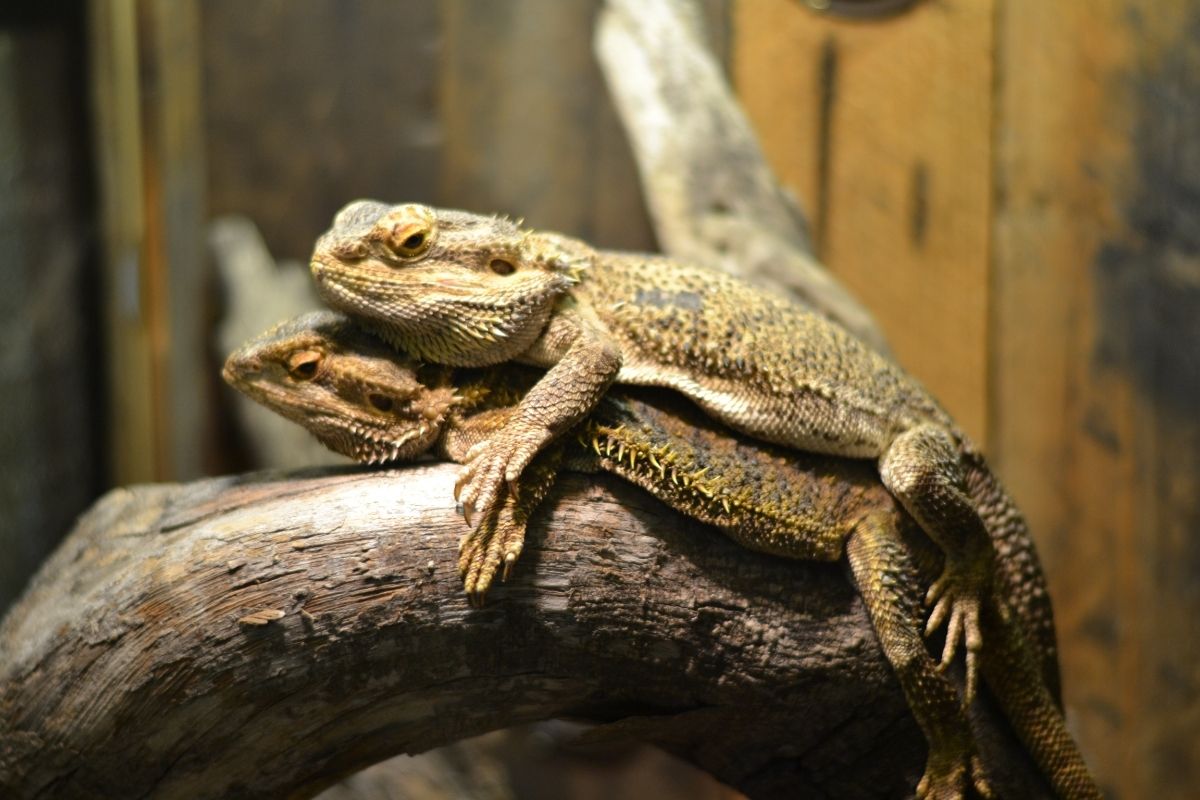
240, 369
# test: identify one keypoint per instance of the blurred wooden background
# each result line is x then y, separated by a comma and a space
1013, 188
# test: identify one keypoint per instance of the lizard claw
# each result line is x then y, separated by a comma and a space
955, 597
511, 554
492, 547
947, 781
979, 779
946, 775
476, 490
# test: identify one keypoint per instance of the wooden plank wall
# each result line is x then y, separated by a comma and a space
525, 70
1013, 189
883, 129
311, 104
149, 163
496, 106
1097, 349
132, 428
50, 450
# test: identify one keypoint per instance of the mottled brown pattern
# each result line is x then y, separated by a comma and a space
766, 498
483, 291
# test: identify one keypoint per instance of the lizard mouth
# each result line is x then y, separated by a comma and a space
373, 282
456, 320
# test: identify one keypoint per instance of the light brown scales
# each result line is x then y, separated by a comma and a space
779, 501
816, 387
461, 289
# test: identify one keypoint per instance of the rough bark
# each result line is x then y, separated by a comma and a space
263, 635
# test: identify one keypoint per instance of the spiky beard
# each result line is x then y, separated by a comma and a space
459, 331
469, 334
371, 444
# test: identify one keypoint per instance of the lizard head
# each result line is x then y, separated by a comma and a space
356, 395
447, 286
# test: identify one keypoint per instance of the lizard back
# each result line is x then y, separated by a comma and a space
760, 363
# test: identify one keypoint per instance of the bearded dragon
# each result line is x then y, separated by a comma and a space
463, 289
374, 405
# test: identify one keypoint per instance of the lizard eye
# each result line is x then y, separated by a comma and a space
407, 231
501, 266
412, 245
381, 402
303, 365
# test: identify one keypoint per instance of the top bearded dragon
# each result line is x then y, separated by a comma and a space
462, 289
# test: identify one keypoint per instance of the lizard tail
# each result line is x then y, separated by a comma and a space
1011, 673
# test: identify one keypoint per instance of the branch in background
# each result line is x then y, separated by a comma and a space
712, 195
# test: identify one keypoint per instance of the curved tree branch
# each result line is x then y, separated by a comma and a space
263, 635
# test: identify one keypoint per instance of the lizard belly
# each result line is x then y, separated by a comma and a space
803, 420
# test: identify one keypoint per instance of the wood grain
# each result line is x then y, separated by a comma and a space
50, 447
150, 154
134, 416
883, 128
262, 635
1097, 313
172, 261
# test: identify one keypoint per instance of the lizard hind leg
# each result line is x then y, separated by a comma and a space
923, 470
887, 579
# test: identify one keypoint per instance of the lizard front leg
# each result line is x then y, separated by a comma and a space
585, 363
922, 469
496, 544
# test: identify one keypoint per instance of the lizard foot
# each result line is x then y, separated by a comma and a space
491, 463
495, 544
945, 779
956, 598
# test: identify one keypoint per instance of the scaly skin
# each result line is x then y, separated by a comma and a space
467, 290
321, 367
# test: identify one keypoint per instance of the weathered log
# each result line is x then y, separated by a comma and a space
262, 635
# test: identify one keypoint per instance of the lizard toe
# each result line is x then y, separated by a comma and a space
943, 780
955, 596
979, 779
